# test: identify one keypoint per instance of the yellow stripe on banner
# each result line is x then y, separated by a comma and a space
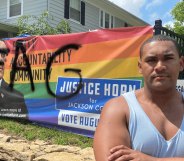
118, 68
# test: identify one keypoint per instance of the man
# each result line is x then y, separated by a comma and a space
12, 102
146, 124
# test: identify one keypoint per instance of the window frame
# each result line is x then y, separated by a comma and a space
8, 10
110, 15
80, 14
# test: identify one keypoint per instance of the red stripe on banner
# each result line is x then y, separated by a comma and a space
55, 41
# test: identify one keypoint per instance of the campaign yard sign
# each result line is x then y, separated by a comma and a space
107, 59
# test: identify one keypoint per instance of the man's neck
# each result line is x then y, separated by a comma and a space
161, 97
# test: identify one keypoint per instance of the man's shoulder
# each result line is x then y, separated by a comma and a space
119, 105
117, 101
116, 107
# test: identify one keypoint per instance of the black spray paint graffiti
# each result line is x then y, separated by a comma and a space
19, 45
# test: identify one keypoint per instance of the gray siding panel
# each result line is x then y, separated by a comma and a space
91, 17
119, 23
34, 7
129, 25
3, 9
56, 8
30, 7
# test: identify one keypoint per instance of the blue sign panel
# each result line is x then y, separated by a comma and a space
94, 94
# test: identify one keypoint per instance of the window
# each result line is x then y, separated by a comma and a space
75, 10
112, 22
15, 8
101, 20
106, 20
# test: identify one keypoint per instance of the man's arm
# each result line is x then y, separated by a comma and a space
112, 128
123, 153
170, 159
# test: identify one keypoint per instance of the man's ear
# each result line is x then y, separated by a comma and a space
181, 63
140, 67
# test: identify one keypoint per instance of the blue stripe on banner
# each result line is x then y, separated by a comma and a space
42, 110
38, 106
94, 94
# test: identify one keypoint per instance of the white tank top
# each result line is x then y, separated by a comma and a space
146, 138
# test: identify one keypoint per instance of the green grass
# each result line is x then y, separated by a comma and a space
32, 132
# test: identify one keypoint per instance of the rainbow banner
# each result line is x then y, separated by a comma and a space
108, 63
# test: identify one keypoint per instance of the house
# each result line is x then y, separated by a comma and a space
82, 15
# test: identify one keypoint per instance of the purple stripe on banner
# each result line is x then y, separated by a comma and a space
39, 118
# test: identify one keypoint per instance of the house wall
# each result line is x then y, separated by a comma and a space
30, 7
119, 23
3, 9
56, 8
118, 12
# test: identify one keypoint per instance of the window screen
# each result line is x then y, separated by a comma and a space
101, 19
75, 10
107, 20
112, 22
15, 8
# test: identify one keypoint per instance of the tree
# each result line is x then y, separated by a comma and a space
178, 15
40, 25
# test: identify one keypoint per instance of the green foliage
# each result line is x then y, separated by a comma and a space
178, 15
31, 132
178, 12
40, 25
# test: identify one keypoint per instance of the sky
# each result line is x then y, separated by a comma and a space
149, 10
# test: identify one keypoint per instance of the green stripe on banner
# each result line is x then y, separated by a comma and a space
40, 90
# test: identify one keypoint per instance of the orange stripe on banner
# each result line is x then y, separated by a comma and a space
101, 51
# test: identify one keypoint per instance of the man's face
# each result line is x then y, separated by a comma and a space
2, 59
160, 65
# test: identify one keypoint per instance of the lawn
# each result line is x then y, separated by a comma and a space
31, 131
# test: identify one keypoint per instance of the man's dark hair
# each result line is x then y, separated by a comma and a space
160, 38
